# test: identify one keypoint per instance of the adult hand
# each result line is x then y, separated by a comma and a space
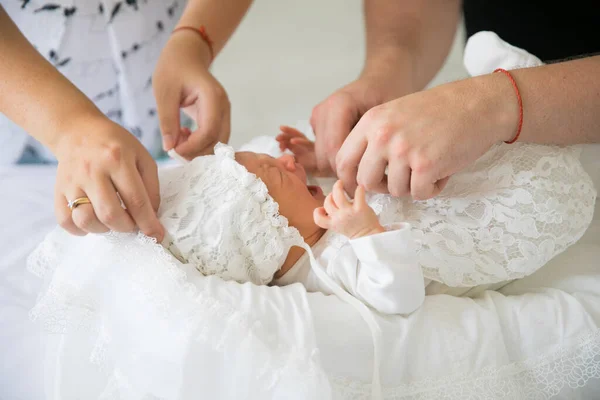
182, 81
424, 138
100, 160
333, 119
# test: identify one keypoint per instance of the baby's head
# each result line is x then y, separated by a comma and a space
286, 181
238, 215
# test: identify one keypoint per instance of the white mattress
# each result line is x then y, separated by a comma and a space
546, 325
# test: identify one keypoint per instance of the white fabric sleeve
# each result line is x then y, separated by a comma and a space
387, 276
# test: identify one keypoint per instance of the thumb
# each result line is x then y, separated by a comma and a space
167, 104
205, 137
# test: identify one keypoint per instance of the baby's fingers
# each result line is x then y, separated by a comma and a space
330, 205
292, 132
302, 142
321, 218
339, 196
360, 199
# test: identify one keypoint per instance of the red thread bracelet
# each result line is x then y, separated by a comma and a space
519, 99
202, 32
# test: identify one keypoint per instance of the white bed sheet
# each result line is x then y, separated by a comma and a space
434, 353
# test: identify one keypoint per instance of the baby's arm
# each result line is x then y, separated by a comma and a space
387, 276
380, 266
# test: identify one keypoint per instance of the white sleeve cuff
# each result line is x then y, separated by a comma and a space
396, 241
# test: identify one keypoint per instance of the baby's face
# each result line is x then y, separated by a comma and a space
286, 181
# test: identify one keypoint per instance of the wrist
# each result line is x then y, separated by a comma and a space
372, 230
391, 61
508, 112
73, 133
192, 41
498, 104
391, 67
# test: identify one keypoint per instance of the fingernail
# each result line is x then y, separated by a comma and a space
167, 142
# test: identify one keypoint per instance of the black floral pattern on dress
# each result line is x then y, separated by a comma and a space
48, 7
69, 11
116, 9
108, 93
132, 3
56, 60
107, 21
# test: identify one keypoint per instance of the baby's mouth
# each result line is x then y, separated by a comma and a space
315, 191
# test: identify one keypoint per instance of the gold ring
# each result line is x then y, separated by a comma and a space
73, 204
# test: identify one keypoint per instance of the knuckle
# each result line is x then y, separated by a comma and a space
400, 148
334, 101
107, 216
113, 154
84, 220
218, 92
373, 114
421, 164
137, 202
383, 135
65, 221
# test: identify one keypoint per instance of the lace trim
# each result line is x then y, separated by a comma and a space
220, 218
539, 378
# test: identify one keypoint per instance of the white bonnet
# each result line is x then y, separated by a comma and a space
220, 218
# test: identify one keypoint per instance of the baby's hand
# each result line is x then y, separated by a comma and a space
351, 219
302, 148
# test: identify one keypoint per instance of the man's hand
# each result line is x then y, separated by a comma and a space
424, 138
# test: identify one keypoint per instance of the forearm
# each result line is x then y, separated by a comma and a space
413, 37
560, 102
33, 94
219, 17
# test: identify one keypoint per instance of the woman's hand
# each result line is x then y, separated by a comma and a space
100, 160
424, 138
182, 81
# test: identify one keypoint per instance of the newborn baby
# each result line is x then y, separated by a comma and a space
261, 207
249, 217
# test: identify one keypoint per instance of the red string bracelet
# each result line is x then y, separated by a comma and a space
519, 99
202, 32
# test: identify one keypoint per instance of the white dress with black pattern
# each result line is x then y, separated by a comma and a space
108, 49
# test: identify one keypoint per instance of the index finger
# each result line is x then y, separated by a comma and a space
134, 195
349, 156
206, 136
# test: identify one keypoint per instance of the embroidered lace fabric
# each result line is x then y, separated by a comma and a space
503, 218
221, 219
